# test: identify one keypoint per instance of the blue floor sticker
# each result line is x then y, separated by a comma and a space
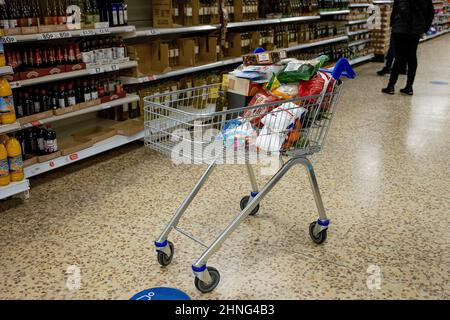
439, 82
161, 293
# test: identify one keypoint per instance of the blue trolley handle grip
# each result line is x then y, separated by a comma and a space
342, 68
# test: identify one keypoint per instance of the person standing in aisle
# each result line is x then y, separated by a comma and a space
410, 19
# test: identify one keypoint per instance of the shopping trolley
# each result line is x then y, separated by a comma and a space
186, 125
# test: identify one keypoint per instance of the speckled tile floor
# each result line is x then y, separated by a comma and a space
384, 178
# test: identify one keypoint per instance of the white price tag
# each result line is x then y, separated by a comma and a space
103, 31
8, 39
65, 34
88, 32
96, 70
15, 84
48, 36
151, 32
111, 67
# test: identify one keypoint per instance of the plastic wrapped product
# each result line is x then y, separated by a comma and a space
286, 91
240, 135
255, 114
301, 70
277, 125
315, 87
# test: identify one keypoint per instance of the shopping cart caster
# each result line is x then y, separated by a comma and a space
244, 202
208, 287
164, 259
320, 237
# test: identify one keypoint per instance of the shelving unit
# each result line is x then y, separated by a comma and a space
16, 126
6, 70
362, 59
102, 146
90, 70
48, 36
147, 78
332, 13
15, 188
357, 43
426, 38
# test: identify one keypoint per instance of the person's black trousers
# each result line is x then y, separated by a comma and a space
405, 52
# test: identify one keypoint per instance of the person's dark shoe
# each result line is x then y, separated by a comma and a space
388, 90
384, 71
407, 90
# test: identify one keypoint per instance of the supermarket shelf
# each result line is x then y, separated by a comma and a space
6, 70
354, 33
270, 21
317, 43
362, 59
102, 146
357, 21
129, 98
357, 43
66, 34
179, 72
384, 2
74, 74
426, 38
359, 5
149, 32
332, 13
9, 127
14, 188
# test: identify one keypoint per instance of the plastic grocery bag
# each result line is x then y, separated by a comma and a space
277, 123
297, 70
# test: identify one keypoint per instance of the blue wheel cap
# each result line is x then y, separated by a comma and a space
161, 293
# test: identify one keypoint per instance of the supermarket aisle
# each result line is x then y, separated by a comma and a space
384, 179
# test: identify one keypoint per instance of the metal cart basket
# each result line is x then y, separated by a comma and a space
192, 126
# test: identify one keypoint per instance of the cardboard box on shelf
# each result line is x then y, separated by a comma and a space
162, 14
49, 157
207, 49
129, 127
187, 52
30, 160
29, 30
35, 117
191, 15
233, 48
94, 134
112, 97
75, 67
69, 145
60, 111
152, 57
41, 72
12, 31
238, 12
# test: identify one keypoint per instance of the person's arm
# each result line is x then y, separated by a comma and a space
429, 15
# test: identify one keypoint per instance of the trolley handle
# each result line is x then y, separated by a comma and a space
342, 68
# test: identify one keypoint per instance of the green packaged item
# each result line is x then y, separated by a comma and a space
301, 70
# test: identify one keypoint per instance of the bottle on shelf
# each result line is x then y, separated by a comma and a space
50, 141
4, 167
15, 160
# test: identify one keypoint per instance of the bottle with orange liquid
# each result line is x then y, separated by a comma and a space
15, 161
7, 112
4, 168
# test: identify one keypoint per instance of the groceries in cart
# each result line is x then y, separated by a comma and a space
288, 96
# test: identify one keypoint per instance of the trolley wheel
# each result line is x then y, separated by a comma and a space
244, 202
163, 259
205, 288
321, 237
